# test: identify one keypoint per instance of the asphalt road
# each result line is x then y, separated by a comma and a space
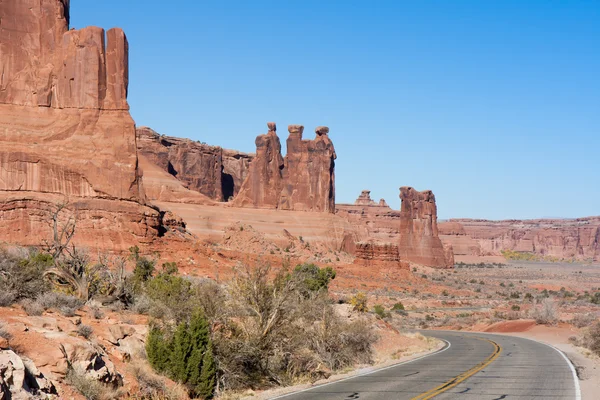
473, 366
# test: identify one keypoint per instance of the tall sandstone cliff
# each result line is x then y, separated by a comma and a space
302, 181
66, 134
419, 240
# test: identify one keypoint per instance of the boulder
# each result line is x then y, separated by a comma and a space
20, 379
92, 361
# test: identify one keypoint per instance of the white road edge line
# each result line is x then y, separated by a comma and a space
448, 345
569, 363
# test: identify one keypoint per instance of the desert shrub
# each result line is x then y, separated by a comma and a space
274, 334
528, 296
397, 307
546, 312
90, 388
32, 308
7, 298
515, 307
359, 302
67, 311
143, 270
583, 320
379, 310
175, 295
96, 312
445, 293
595, 298
312, 279
591, 338
23, 278
57, 300
141, 304
186, 355
4, 333
85, 331
153, 386
515, 295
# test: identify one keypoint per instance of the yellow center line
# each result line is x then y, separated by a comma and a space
462, 377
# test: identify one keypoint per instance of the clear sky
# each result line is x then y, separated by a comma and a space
493, 105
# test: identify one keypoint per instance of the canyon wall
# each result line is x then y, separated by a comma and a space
303, 180
65, 129
183, 170
560, 239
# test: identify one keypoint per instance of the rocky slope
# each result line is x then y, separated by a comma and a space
577, 239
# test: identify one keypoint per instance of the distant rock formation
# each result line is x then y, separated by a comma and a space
65, 128
209, 170
410, 235
309, 177
560, 239
302, 181
419, 240
262, 186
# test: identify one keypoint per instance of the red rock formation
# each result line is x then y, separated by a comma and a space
419, 241
364, 199
555, 238
45, 64
236, 167
373, 254
262, 186
65, 128
375, 221
309, 178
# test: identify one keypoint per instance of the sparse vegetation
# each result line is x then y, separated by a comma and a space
380, 311
85, 331
546, 312
359, 302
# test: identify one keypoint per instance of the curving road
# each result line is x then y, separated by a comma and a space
472, 366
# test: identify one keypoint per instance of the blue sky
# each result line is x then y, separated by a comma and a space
493, 105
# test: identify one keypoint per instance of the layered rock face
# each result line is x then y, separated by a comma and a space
302, 181
373, 254
554, 238
189, 168
419, 240
65, 127
376, 221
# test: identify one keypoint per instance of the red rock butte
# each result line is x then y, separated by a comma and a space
67, 137
65, 130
